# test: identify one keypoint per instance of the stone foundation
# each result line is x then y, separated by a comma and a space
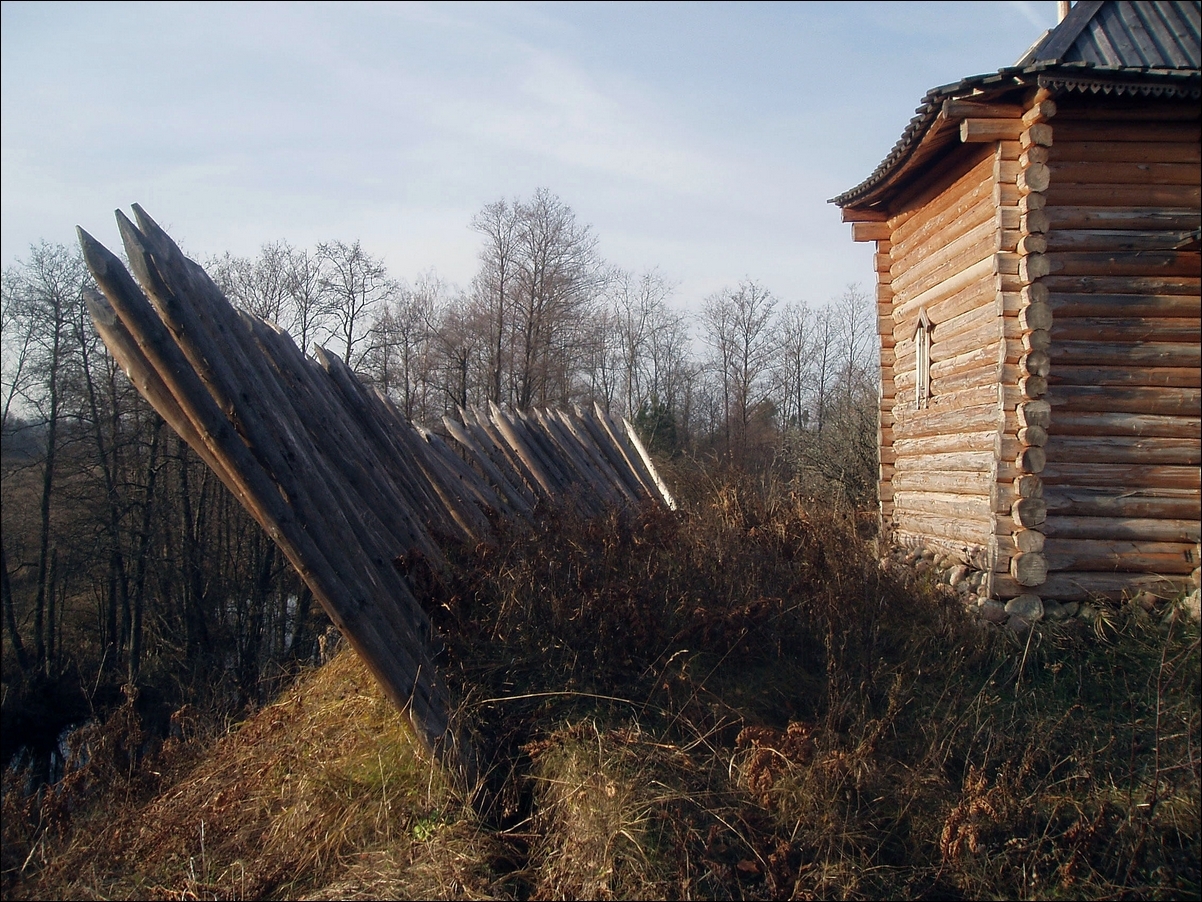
962, 571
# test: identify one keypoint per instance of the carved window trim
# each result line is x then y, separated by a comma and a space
922, 361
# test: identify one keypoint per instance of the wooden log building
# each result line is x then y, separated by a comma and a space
1037, 261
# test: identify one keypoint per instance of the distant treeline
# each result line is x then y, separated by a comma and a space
125, 561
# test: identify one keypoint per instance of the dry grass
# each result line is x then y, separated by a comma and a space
734, 702
310, 796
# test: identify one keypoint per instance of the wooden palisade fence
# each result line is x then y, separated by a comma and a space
341, 481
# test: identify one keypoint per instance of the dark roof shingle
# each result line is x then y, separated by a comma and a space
1121, 34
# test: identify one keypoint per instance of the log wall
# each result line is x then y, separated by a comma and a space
1124, 444
944, 249
1021, 564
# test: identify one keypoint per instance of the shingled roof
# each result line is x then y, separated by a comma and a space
1111, 46
1124, 35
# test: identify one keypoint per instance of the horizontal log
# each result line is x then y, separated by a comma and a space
980, 131
1033, 387
1035, 220
957, 505
1036, 340
1035, 315
933, 213
1112, 172
947, 252
963, 532
1127, 328
1034, 266
983, 375
1121, 555
1031, 203
1137, 529
1006, 195
860, 214
1035, 178
1111, 240
1114, 501
1027, 541
1074, 306
1034, 413
967, 109
1037, 363
1110, 449
1039, 133
1151, 354
1159, 219
1028, 513
1029, 568
1072, 422
978, 484
1132, 113
1074, 586
1034, 436
1029, 460
1149, 376
1034, 154
1124, 152
978, 272
968, 397
1070, 195
1122, 285
1040, 111
986, 355
1128, 476
1031, 244
1007, 263
1129, 263
1142, 132
971, 297
870, 231
1127, 399
946, 443
1008, 218
963, 461
969, 332
934, 421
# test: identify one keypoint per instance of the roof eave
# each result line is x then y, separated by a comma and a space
1072, 76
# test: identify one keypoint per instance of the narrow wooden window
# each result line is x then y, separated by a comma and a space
922, 346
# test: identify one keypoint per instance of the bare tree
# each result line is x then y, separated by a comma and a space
401, 359
559, 278
796, 345
737, 329
48, 289
309, 311
354, 284
495, 284
641, 318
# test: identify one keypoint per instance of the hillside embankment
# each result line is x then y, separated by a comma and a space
731, 701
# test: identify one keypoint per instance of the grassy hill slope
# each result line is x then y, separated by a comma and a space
732, 702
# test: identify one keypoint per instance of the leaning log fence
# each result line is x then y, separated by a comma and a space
341, 481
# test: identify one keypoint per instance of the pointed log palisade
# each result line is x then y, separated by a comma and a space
1038, 273
343, 483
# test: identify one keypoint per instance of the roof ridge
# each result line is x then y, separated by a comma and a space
1064, 35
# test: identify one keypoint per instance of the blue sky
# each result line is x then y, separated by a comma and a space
703, 139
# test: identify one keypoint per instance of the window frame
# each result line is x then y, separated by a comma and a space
922, 362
